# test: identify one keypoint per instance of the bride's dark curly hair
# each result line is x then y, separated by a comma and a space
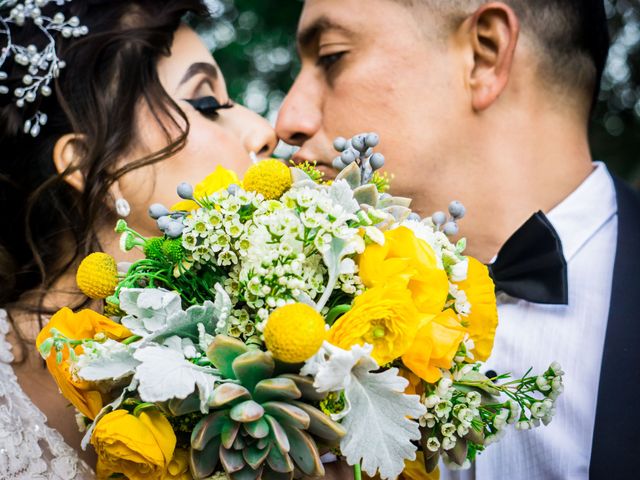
108, 73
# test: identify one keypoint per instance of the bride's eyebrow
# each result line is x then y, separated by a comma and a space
309, 34
208, 69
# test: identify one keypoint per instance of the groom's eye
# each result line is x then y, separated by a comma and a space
327, 61
208, 106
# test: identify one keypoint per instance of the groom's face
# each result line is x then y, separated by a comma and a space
371, 65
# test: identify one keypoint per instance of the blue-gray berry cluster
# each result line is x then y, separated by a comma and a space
359, 149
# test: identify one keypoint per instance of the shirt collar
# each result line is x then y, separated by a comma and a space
579, 216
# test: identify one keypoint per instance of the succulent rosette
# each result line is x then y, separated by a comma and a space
281, 317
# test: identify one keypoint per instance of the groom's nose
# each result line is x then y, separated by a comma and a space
300, 115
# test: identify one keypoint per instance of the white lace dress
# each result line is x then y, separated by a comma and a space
29, 449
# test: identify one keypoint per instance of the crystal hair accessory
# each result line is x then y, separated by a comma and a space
42, 64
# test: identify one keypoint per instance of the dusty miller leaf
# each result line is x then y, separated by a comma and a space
110, 360
341, 194
379, 426
377, 414
148, 309
164, 374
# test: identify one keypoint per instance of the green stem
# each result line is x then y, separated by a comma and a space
335, 312
131, 339
357, 472
142, 406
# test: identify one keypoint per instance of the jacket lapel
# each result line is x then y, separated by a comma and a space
616, 439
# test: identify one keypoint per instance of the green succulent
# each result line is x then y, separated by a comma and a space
260, 426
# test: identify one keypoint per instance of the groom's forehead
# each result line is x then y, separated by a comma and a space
347, 17
311, 28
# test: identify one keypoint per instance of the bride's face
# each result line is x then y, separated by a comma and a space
224, 136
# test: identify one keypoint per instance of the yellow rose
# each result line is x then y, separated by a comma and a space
178, 468
140, 448
384, 317
220, 179
434, 346
483, 319
404, 257
78, 326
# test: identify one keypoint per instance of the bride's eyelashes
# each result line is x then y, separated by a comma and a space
208, 106
327, 61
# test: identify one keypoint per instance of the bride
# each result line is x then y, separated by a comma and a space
139, 106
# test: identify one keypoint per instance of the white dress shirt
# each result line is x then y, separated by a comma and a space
531, 335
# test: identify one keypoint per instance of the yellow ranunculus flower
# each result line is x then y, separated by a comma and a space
140, 448
407, 258
220, 179
178, 468
78, 326
415, 470
415, 382
483, 319
434, 346
384, 317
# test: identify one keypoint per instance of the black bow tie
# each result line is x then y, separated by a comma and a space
531, 265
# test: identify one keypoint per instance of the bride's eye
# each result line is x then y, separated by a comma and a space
327, 61
208, 106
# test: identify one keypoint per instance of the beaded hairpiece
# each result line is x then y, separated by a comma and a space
42, 65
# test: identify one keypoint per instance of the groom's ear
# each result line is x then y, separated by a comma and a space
494, 29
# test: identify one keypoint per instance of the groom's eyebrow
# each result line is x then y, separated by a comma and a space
208, 69
309, 34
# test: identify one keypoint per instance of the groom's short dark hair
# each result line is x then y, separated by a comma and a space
572, 35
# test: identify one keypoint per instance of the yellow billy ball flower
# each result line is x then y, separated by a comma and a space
294, 333
271, 178
97, 275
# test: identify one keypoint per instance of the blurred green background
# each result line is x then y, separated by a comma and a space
253, 41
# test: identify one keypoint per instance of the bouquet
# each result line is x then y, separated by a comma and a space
282, 318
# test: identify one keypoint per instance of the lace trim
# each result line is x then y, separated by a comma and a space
29, 449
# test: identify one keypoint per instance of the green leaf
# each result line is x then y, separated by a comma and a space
305, 385
276, 389
278, 434
232, 461
258, 429
204, 462
208, 428
287, 414
304, 452
228, 394
321, 425
229, 432
223, 351
252, 367
367, 194
279, 460
255, 456
246, 412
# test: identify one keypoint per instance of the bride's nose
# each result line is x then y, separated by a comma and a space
254, 131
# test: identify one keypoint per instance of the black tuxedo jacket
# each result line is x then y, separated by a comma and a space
615, 453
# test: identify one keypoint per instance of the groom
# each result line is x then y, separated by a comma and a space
488, 103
